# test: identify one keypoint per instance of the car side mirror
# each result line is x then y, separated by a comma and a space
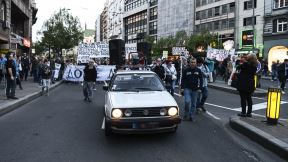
105, 87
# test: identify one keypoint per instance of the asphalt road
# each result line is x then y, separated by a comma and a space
62, 127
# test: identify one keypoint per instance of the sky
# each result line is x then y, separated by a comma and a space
86, 10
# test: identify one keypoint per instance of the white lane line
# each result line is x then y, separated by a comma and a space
103, 124
260, 98
213, 116
223, 107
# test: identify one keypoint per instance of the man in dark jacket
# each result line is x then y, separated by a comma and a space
90, 75
25, 62
159, 69
10, 76
46, 77
283, 74
191, 82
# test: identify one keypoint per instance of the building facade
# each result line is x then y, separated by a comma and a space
115, 19
216, 16
97, 29
276, 30
5, 25
249, 26
104, 24
174, 16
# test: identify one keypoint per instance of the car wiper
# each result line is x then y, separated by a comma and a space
124, 90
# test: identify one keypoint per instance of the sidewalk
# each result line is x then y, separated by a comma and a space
30, 91
273, 137
221, 85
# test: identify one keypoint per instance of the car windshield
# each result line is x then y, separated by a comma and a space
137, 82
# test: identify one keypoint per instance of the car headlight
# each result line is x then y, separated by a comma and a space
128, 113
163, 112
172, 111
117, 113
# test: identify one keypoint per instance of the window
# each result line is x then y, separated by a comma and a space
224, 24
280, 25
224, 9
203, 14
198, 15
204, 2
249, 4
280, 3
3, 11
198, 3
210, 26
231, 23
249, 21
217, 11
216, 25
153, 13
232, 7
210, 12
153, 28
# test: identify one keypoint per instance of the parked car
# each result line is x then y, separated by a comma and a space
137, 102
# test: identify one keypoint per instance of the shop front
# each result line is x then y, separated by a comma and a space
276, 50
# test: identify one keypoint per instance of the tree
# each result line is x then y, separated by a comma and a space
61, 31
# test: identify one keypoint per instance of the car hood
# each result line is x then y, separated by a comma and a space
141, 99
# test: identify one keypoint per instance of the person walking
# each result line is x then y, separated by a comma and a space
25, 62
170, 78
90, 75
46, 77
191, 84
246, 84
159, 69
283, 74
202, 96
19, 70
2, 67
274, 70
10, 76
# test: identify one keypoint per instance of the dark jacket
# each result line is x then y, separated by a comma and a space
281, 72
160, 71
90, 75
246, 82
192, 78
46, 72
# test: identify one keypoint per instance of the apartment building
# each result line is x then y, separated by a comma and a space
115, 11
249, 26
174, 16
276, 30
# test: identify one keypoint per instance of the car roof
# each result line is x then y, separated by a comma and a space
134, 72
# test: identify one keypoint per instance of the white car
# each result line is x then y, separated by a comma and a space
137, 102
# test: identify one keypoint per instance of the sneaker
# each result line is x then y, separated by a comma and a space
241, 115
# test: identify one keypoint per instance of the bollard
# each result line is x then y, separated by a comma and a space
273, 105
255, 81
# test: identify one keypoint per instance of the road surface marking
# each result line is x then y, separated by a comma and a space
103, 124
213, 116
260, 98
223, 107
260, 106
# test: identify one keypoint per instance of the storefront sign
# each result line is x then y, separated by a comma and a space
247, 38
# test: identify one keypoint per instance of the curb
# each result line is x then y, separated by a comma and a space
8, 107
266, 140
234, 91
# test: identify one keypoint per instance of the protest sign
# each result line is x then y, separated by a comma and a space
56, 71
105, 72
219, 54
129, 48
74, 73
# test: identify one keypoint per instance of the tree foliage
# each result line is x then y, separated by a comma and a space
61, 31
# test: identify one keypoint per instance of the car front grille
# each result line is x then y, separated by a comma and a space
146, 112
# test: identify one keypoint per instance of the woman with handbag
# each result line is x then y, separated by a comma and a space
171, 77
245, 83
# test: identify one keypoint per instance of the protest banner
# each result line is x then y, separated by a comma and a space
86, 51
219, 54
56, 71
105, 72
129, 48
180, 51
74, 73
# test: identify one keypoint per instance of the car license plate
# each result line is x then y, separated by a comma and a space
145, 125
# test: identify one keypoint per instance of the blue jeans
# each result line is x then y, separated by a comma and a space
190, 102
202, 97
171, 87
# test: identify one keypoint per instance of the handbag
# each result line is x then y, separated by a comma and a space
234, 80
